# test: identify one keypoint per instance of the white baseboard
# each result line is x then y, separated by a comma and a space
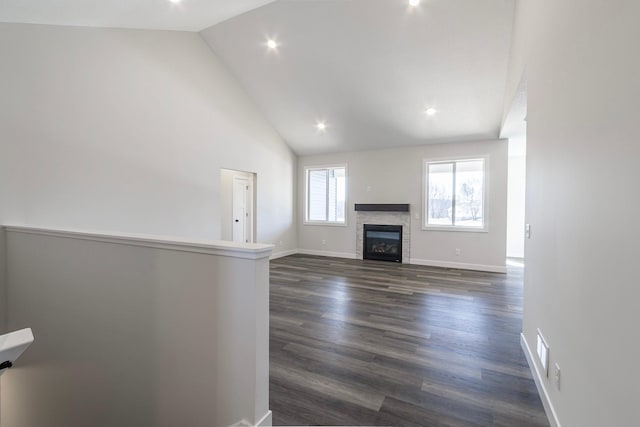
459, 265
265, 421
328, 253
426, 262
542, 390
277, 255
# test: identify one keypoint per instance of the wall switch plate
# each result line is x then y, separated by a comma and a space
527, 231
556, 375
542, 348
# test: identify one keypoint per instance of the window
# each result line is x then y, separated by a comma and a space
455, 194
326, 195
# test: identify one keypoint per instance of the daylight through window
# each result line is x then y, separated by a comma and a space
326, 194
455, 194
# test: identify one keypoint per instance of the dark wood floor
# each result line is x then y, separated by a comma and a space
375, 343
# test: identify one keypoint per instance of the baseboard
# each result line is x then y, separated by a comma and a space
328, 253
542, 390
426, 262
265, 421
283, 254
459, 265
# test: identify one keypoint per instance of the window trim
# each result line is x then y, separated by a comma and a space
485, 196
306, 195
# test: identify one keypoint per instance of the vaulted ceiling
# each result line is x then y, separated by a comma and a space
370, 68
186, 15
367, 69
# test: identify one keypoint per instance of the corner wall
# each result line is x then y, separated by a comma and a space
581, 276
126, 130
396, 176
4, 196
3, 267
3, 283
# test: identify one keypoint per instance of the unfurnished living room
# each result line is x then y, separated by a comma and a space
319, 212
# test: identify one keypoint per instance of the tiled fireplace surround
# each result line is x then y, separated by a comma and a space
384, 218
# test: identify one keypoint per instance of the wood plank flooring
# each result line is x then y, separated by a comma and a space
376, 343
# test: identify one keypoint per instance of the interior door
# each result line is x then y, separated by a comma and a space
241, 205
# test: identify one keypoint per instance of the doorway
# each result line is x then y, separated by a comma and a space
516, 197
515, 130
237, 202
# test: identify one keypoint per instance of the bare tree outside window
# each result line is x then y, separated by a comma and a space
440, 203
471, 200
440, 206
455, 193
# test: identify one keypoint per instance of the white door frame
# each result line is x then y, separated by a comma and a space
248, 209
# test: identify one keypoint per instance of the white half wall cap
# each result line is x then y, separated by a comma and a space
12, 345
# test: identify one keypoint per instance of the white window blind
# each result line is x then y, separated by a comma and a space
326, 194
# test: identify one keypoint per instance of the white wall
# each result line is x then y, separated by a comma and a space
4, 196
396, 176
136, 332
516, 197
516, 75
127, 130
3, 288
581, 278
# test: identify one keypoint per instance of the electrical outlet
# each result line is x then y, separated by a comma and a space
458, 251
556, 375
324, 242
542, 348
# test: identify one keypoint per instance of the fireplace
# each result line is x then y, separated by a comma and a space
398, 215
382, 242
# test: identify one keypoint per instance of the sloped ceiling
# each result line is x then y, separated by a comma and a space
369, 69
188, 15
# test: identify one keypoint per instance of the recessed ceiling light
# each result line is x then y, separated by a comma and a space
272, 44
430, 111
414, 3
322, 126
175, 1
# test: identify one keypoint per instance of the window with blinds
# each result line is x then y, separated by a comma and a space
326, 195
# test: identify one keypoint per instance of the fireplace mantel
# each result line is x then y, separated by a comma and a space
382, 207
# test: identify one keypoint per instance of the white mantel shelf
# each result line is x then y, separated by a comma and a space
211, 247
